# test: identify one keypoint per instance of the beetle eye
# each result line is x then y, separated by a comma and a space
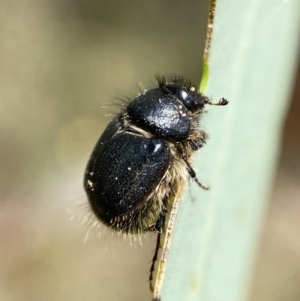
183, 95
193, 101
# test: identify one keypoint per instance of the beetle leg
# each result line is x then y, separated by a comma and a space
198, 140
159, 228
192, 174
153, 261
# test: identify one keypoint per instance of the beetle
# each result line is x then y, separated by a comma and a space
142, 161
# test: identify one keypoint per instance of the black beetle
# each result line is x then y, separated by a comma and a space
142, 161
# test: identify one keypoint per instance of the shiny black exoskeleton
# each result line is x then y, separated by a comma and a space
142, 161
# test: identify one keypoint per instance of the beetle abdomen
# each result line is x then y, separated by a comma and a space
122, 175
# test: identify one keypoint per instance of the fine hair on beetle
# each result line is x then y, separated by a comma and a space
143, 160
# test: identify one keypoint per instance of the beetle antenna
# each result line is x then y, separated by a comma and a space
222, 102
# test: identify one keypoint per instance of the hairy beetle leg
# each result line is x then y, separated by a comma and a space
159, 228
153, 261
193, 175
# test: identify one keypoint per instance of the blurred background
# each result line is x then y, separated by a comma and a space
61, 65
